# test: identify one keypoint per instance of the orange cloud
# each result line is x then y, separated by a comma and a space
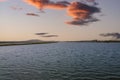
56, 6
75, 11
82, 13
37, 3
40, 4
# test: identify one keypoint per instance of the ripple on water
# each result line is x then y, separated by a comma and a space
60, 61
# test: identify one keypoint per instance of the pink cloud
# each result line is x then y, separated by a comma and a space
40, 4
81, 12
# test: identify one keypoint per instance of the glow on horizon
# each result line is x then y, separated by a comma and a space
16, 25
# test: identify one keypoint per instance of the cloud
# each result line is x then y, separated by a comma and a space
40, 4
82, 22
50, 36
114, 35
92, 1
16, 8
82, 13
45, 35
32, 14
41, 33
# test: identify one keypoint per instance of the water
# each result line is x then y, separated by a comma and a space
61, 61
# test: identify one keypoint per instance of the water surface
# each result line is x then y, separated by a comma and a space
61, 61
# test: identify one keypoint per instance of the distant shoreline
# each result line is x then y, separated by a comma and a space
21, 43
97, 41
13, 43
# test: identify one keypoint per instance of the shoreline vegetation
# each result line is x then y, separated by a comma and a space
98, 41
30, 42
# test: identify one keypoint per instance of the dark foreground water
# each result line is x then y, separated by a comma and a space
61, 61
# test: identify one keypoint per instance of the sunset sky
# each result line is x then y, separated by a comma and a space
20, 20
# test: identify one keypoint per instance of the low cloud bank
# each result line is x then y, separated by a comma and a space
114, 35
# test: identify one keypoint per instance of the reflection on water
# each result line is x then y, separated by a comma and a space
61, 61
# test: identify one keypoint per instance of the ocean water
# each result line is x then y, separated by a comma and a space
61, 61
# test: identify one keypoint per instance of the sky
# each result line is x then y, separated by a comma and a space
58, 20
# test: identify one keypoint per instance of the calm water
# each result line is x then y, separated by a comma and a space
61, 61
